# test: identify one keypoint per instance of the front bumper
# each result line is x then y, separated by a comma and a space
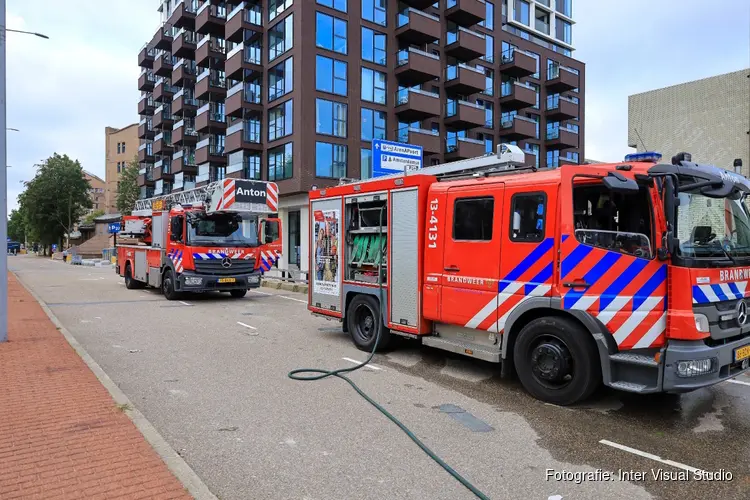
209, 282
724, 365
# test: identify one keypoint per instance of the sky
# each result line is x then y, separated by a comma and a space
63, 92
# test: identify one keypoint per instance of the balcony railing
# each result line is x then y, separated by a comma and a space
452, 35
402, 18
451, 107
451, 72
506, 88
509, 54
451, 143
553, 71
553, 101
403, 56
402, 134
508, 121
216, 10
402, 96
554, 131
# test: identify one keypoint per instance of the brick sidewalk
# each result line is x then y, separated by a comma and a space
61, 434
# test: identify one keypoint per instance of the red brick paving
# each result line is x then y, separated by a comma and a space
61, 434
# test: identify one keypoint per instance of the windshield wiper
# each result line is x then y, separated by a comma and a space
724, 251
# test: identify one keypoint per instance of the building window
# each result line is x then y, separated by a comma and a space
280, 79
118, 148
489, 16
280, 162
276, 7
536, 89
372, 124
533, 149
331, 118
563, 30
334, 4
489, 48
535, 56
373, 46
281, 37
374, 11
564, 7
521, 12
373, 86
123, 147
472, 219
489, 112
330, 33
330, 75
118, 164
330, 160
553, 159
280, 121
527, 217
365, 163
489, 142
541, 21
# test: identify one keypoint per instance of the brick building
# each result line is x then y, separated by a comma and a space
120, 147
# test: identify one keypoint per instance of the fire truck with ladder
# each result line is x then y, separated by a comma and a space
631, 274
218, 237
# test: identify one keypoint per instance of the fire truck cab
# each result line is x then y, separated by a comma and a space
630, 274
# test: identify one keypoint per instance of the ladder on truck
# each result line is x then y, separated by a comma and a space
508, 159
196, 197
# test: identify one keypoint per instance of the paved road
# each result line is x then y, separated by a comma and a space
210, 375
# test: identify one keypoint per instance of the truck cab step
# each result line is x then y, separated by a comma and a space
633, 359
632, 387
466, 348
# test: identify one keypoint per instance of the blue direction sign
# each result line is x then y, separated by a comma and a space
114, 227
390, 158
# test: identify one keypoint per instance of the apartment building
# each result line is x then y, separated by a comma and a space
294, 91
120, 147
96, 191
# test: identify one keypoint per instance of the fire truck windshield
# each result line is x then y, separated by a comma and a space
713, 228
223, 230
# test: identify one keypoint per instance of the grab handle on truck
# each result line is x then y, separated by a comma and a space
452, 269
576, 284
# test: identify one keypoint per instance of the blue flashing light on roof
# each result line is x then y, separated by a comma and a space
651, 156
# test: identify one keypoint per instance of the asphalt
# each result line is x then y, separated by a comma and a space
218, 392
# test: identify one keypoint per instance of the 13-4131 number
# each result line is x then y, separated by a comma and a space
432, 226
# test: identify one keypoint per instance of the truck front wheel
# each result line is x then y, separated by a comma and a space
238, 294
557, 361
167, 286
364, 323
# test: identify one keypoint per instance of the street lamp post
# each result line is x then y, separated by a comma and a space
4, 178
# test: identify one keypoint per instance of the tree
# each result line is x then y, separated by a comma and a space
16, 226
89, 219
128, 191
55, 199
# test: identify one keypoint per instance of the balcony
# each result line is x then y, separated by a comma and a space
211, 19
429, 140
466, 12
416, 105
183, 182
184, 44
208, 151
517, 95
163, 117
243, 135
561, 138
210, 86
184, 134
518, 128
184, 73
416, 27
210, 118
163, 143
560, 108
517, 63
183, 14
145, 129
162, 169
146, 105
146, 81
210, 52
415, 66
184, 161
561, 78
146, 57
567, 160
145, 177
419, 4
464, 44
246, 16
184, 104
163, 65
163, 38
146, 153
243, 60
463, 148
530, 158
163, 90
464, 80
462, 115
243, 97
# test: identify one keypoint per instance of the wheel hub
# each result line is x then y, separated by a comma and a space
366, 322
550, 361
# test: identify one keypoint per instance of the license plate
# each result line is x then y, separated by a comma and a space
232, 280
742, 353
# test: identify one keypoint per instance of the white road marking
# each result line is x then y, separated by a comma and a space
88, 279
246, 326
738, 382
370, 365
262, 293
185, 303
649, 456
292, 298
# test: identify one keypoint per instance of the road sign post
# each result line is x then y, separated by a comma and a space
390, 158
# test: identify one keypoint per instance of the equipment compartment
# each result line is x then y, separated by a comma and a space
366, 240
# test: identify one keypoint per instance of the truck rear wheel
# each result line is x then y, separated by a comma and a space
130, 282
557, 361
167, 286
364, 322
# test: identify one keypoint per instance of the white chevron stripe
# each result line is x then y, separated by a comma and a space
709, 293
612, 308
741, 286
585, 302
635, 318
653, 333
493, 304
727, 291
539, 291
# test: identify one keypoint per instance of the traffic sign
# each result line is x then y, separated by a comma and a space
113, 227
390, 158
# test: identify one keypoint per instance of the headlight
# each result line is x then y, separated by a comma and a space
193, 280
253, 279
701, 323
696, 367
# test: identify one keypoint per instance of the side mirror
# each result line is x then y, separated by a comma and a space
618, 183
176, 229
270, 231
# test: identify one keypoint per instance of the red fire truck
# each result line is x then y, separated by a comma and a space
216, 237
634, 274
